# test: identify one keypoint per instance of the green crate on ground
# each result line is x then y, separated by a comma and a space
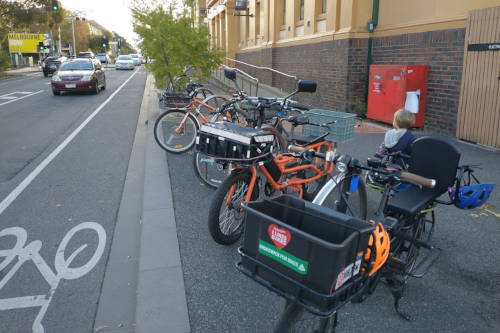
340, 131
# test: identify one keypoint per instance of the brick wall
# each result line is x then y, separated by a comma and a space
443, 51
339, 67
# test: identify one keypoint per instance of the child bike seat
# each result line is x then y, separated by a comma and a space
432, 157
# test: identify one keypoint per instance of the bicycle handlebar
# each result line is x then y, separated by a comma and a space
330, 156
426, 182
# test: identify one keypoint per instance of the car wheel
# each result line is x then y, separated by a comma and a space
55, 92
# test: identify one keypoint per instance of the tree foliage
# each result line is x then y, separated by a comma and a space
170, 37
25, 16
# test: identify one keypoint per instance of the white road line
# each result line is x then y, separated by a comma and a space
8, 97
14, 100
26, 181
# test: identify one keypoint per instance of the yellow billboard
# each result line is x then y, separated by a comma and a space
24, 42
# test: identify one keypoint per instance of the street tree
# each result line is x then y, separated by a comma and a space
170, 37
36, 16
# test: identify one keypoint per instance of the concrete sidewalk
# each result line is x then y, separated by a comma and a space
161, 299
23, 70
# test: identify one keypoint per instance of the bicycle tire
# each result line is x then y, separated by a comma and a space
209, 171
227, 232
294, 319
215, 101
341, 190
164, 131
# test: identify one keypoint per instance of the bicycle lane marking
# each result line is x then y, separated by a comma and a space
19, 98
31, 252
26, 181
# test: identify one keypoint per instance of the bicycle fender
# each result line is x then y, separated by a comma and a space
327, 188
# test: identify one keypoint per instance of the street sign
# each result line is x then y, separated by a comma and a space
24, 42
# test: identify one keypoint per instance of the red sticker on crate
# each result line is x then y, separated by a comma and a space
280, 237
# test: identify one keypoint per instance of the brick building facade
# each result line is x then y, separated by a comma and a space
328, 41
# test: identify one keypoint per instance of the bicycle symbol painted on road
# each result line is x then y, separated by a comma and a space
31, 251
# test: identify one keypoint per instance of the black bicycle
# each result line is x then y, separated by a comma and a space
320, 259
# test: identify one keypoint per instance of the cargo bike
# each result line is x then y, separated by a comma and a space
319, 259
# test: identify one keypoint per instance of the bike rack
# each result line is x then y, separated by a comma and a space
220, 76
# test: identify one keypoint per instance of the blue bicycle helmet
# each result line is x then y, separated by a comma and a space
469, 196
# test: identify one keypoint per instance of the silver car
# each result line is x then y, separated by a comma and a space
103, 58
136, 59
124, 62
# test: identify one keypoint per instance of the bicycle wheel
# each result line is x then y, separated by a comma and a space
202, 93
175, 130
294, 319
340, 198
209, 170
214, 102
225, 215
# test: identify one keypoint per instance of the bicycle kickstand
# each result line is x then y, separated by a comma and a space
397, 289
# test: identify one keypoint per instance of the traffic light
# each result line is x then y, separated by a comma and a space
104, 42
55, 5
41, 46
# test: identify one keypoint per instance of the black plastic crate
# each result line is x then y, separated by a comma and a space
230, 141
303, 251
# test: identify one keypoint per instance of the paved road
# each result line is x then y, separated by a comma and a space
59, 289
460, 294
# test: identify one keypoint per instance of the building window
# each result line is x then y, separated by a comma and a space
323, 6
284, 13
301, 11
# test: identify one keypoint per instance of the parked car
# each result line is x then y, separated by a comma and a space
103, 58
124, 62
50, 65
87, 54
79, 75
136, 59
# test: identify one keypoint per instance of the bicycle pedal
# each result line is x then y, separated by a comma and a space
396, 264
422, 267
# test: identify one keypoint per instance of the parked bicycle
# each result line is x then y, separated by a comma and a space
255, 112
175, 129
320, 259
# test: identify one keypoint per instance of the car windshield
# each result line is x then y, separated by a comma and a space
124, 58
77, 66
134, 56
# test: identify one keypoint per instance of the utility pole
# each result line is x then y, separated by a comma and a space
59, 41
73, 29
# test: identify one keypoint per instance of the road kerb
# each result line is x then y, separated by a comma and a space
161, 298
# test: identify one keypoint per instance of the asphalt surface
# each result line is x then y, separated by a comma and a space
460, 293
82, 184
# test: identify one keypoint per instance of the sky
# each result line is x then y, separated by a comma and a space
114, 15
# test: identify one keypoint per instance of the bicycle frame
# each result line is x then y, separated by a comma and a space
281, 162
192, 106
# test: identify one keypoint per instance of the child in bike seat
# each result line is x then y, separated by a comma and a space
398, 139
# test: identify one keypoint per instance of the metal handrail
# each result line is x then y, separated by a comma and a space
264, 68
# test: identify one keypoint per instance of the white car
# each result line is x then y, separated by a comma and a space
136, 59
124, 62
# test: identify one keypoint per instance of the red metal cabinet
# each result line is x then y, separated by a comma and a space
387, 90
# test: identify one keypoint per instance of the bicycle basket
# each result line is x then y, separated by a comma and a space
340, 131
232, 142
175, 100
304, 252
